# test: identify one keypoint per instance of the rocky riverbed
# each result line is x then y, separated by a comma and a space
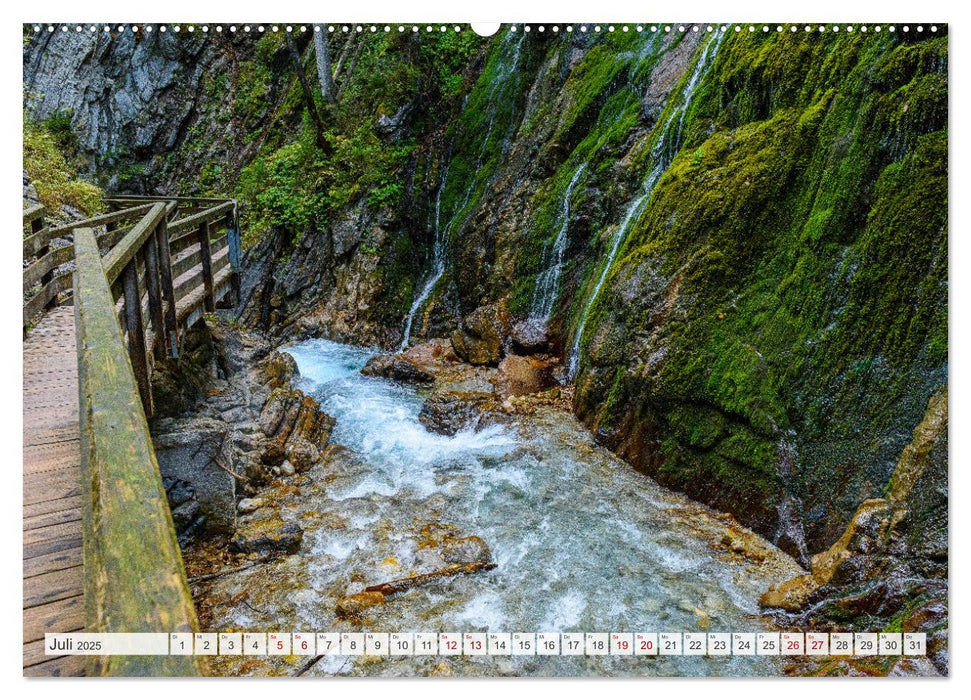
535, 527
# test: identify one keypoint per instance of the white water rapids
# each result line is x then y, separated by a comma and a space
582, 541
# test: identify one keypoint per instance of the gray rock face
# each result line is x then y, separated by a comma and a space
125, 95
190, 452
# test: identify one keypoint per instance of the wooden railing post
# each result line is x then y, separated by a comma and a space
136, 334
210, 294
168, 291
153, 287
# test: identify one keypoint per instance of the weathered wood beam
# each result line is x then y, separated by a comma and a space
134, 576
207, 281
191, 223
168, 292
137, 352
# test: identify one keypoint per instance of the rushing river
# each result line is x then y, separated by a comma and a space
582, 541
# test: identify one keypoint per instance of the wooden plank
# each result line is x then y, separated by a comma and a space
186, 260
60, 517
135, 581
190, 307
51, 491
60, 667
112, 217
33, 213
34, 509
60, 616
168, 292
58, 531
41, 549
154, 293
194, 278
53, 585
59, 557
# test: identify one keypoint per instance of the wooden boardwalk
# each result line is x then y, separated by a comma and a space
53, 581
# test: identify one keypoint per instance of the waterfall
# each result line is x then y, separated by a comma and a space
662, 154
438, 266
548, 281
442, 236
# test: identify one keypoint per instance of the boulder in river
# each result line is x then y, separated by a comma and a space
465, 550
396, 367
482, 335
267, 538
355, 604
529, 336
303, 455
519, 376
449, 412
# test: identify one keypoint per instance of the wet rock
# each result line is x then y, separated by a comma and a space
880, 565
529, 337
267, 539
276, 370
355, 604
465, 550
291, 413
519, 376
480, 338
249, 505
303, 455
449, 412
272, 453
398, 367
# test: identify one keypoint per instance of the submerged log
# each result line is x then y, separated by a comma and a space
403, 584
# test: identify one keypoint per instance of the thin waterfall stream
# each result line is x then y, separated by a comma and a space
662, 154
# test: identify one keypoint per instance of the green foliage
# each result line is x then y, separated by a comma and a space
55, 177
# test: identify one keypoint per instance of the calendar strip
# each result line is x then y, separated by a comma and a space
400, 644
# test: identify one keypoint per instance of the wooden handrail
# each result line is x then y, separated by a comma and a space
134, 575
123, 253
102, 219
191, 222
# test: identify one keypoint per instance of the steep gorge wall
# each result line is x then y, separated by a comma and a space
773, 321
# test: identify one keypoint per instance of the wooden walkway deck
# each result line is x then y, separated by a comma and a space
53, 581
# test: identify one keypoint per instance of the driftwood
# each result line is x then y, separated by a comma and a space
403, 584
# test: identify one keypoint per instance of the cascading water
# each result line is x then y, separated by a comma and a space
548, 281
662, 154
438, 266
582, 542
439, 253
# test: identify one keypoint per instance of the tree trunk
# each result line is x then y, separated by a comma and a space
307, 93
324, 71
